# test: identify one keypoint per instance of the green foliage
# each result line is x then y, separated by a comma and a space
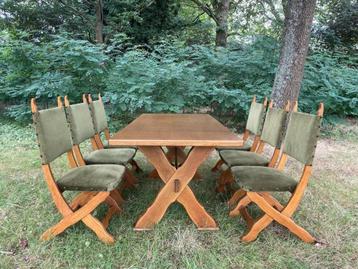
331, 79
173, 78
142, 81
337, 24
142, 20
46, 70
168, 77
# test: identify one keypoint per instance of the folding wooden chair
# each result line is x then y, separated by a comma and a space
257, 182
97, 183
82, 129
253, 126
100, 123
272, 130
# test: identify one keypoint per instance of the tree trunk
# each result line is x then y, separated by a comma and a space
298, 22
221, 9
99, 21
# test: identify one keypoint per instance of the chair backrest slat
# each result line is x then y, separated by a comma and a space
273, 127
256, 117
98, 115
80, 120
301, 136
53, 133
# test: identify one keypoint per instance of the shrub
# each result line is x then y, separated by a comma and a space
332, 79
46, 70
168, 77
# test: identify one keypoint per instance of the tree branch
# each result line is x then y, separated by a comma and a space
206, 8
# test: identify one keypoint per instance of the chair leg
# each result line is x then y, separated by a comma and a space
136, 167
84, 214
111, 211
217, 165
245, 201
236, 197
247, 217
81, 199
272, 201
130, 179
273, 214
226, 179
97, 227
256, 228
116, 195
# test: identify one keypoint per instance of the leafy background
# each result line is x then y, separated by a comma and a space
166, 77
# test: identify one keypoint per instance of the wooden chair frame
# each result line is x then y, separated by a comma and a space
273, 210
76, 158
226, 178
245, 137
97, 142
82, 205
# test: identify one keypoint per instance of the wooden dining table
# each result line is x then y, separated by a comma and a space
151, 133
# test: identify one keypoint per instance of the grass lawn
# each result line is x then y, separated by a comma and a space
329, 211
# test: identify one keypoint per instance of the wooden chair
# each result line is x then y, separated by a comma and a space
253, 126
97, 183
256, 183
82, 129
272, 130
101, 126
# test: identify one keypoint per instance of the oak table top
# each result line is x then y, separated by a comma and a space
175, 130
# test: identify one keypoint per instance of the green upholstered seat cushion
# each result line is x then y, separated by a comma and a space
245, 147
262, 179
110, 156
237, 157
273, 127
80, 120
105, 177
301, 136
99, 116
256, 117
53, 133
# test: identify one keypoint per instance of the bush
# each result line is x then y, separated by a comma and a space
46, 70
331, 79
173, 78
168, 77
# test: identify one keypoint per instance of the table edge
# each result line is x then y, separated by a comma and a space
179, 143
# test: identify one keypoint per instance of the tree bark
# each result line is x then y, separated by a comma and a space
298, 22
221, 10
99, 21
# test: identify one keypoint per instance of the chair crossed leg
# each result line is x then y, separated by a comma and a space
224, 181
273, 211
176, 188
114, 201
135, 166
217, 166
80, 209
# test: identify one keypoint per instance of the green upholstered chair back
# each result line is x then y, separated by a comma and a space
53, 133
99, 116
256, 117
301, 136
79, 117
273, 127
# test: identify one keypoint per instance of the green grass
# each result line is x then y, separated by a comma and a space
329, 211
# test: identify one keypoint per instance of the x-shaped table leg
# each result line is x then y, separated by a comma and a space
176, 188
176, 156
